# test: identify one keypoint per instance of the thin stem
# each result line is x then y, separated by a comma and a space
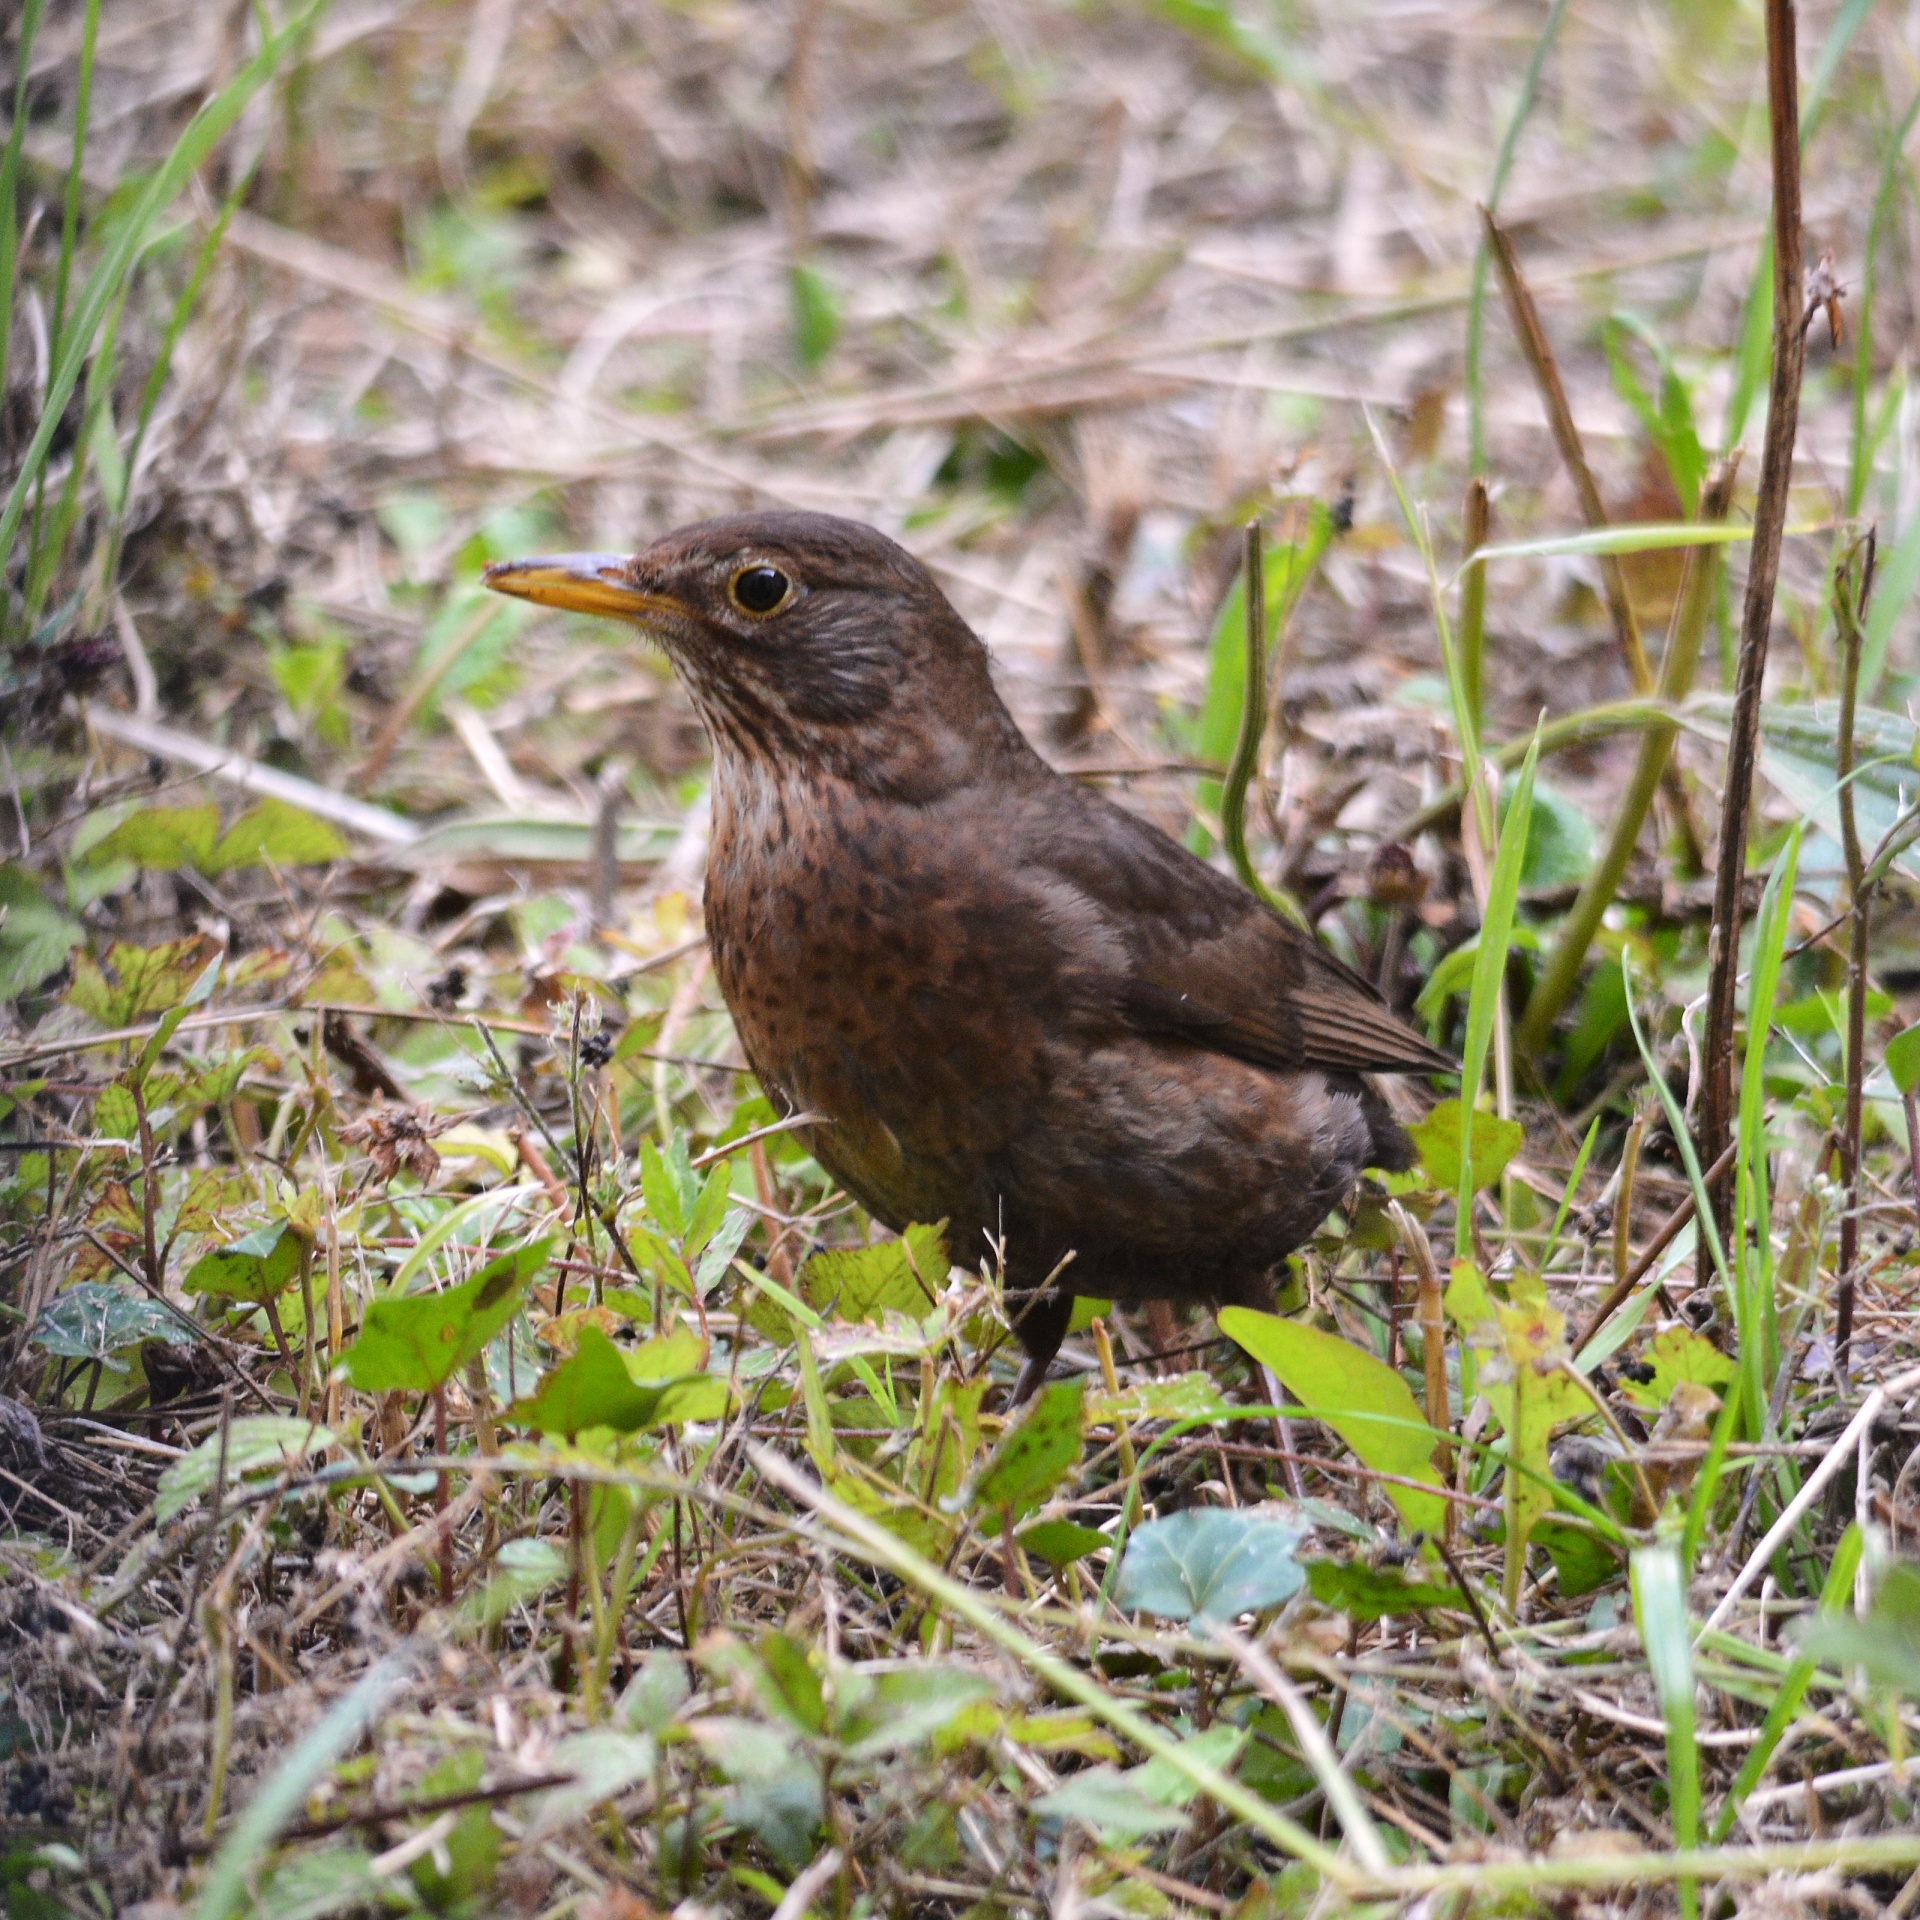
1538, 353
1852, 582
1769, 520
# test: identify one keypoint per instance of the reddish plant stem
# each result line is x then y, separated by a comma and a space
1852, 582
1769, 521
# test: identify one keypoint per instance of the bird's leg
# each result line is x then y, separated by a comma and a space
1165, 1332
1040, 1325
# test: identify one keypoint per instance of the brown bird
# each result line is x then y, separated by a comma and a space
1021, 1009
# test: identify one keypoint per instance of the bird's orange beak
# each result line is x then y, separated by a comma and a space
581, 583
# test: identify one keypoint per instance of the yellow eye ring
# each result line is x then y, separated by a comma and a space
760, 590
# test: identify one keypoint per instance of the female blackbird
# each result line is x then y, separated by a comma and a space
1020, 1009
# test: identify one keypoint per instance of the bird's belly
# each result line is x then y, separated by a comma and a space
850, 979
876, 980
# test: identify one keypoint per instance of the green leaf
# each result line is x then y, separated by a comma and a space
258, 1443
1209, 1564
1559, 844
461, 1867
94, 1321
776, 1788
816, 314
1217, 24
413, 1344
1903, 1059
1582, 1561
655, 1694
1679, 1354
144, 980
163, 839
1035, 1454
665, 1194
522, 1570
1437, 1140
868, 1283
592, 1389
1885, 1645
1113, 1806
320, 1883
891, 1712
35, 936
279, 834
1060, 1542
1373, 1593
257, 1267
1358, 1395
604, 1762
1184, 1396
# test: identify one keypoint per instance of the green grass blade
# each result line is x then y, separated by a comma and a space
1893, 176
284, 1791
201, 135
1660, 1610
1489, 972
10, 177
1756, 1331
1793, 1688
70, 206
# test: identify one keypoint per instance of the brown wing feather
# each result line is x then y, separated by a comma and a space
1207, 961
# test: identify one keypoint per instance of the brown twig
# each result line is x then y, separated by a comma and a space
1658, 1245
1538, 353
1852, 583
1769, 521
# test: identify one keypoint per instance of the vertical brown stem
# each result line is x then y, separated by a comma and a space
1912, 1102
1534, 346
440, 1494
1852, 582
1476, 521
1769, 520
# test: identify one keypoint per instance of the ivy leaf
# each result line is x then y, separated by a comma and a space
1678, 1354
94, 1321
163, 839
412, 1344
256, 1268
279, 834
1209, 1564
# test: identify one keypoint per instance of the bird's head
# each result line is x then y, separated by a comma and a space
805, 640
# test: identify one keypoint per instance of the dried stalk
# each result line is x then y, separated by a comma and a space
1769, 521
1534, 347
1852, 583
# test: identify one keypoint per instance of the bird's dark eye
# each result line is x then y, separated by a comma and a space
760, 589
